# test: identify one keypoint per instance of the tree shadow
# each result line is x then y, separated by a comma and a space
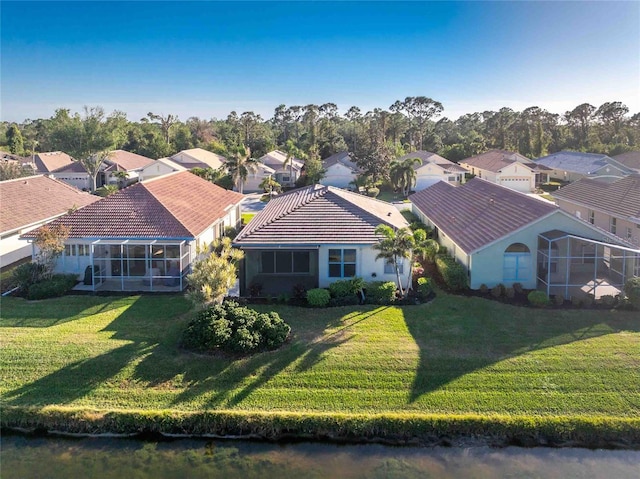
458, 335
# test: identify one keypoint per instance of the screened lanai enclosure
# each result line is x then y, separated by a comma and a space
571, 265
137, 265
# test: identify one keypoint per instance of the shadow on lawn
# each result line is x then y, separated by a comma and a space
459, 335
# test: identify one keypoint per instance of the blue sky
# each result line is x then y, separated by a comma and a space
208, 58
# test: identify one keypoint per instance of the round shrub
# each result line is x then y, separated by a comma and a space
425, 288
509, 293
318, 297
373, 192
484, 289
233, 328
539, 299
632, 291
608, 300
57, 285
497, 291
381, 292
346, 287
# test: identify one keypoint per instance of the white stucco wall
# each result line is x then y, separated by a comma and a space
77, 180
339, 176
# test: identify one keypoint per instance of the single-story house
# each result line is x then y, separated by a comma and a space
573, 165
434, 168
145, 237
160, 167
198, 158
120, 160
504, 237
630, 159
285, 175
314, 236
339, 170
61, 166
254, 178
507, 168
611, 206
28, 203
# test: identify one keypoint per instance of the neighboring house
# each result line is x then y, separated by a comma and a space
339, 170
161, 167
285, 175
198, 158
254, 178
28, 203
314, 236
61, 166
504, 237
630, 159
145, 237
612, 206
120, 160
574, 165
506, 168
434, 168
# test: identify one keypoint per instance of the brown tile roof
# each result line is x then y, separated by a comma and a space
73, 167
51, 161
495, 160
630, 159
128, 161
179, 205
319, 215
30, 200
478, 212
200, 158
620, 198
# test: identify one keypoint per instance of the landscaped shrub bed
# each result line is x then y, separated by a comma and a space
398, 428
57, 285
380, 292
233, 328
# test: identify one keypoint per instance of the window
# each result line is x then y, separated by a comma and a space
342, 263
83, 249
70, 250
389, 268
613, 225
629, 234
516, 264
285, 262
592, 216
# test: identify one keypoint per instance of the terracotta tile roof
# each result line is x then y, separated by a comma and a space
578, 162
128, 161
178, 205
30, 200
478, 212
51, 161
319, 215
620, 198
630, 159
495, 160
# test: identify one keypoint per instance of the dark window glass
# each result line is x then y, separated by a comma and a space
349, 270
335, 270
335, 255
300, 261
349, 256
268, 264
283, 261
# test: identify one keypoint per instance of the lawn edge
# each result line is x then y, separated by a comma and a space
388, 428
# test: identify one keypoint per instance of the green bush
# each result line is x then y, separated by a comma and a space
27, 274
233, 328
346, 287
381, 292
517, 287
484, 289
318, 297
425, 287
539, 299
632, 291
558, 299
509, 293
608, 300
373, 192
57, 285
452, 272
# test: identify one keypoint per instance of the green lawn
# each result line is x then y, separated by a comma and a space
455, 355
246, 217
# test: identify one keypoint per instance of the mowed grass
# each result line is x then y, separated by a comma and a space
455, 355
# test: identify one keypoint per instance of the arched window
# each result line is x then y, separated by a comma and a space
516, 263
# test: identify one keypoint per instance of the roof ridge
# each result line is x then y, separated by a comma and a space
143, 186
382, 219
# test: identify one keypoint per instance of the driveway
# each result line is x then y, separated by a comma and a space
252, 203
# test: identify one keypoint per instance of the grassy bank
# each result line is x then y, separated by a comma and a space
479, 361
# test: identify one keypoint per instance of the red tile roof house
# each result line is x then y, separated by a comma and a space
314, 236
28, 203
61, 166
120, 160
144, 237
505, 237
508, 169
434, 168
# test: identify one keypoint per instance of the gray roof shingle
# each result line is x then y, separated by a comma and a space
319, 215
578, 162
478, 212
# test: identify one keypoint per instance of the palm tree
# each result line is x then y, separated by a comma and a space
269, 185
292, 152
403, 174
240, 164
122, 176
424, 248
393, 246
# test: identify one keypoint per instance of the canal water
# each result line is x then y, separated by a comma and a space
24, 457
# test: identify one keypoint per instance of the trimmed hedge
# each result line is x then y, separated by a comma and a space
381, 292
632, 291
592, 431
318, 297
453, 273
57, 285
346, 287
425, 287
539, 299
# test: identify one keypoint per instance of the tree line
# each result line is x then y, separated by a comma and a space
375, 138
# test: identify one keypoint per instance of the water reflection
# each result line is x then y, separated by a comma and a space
22, 457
